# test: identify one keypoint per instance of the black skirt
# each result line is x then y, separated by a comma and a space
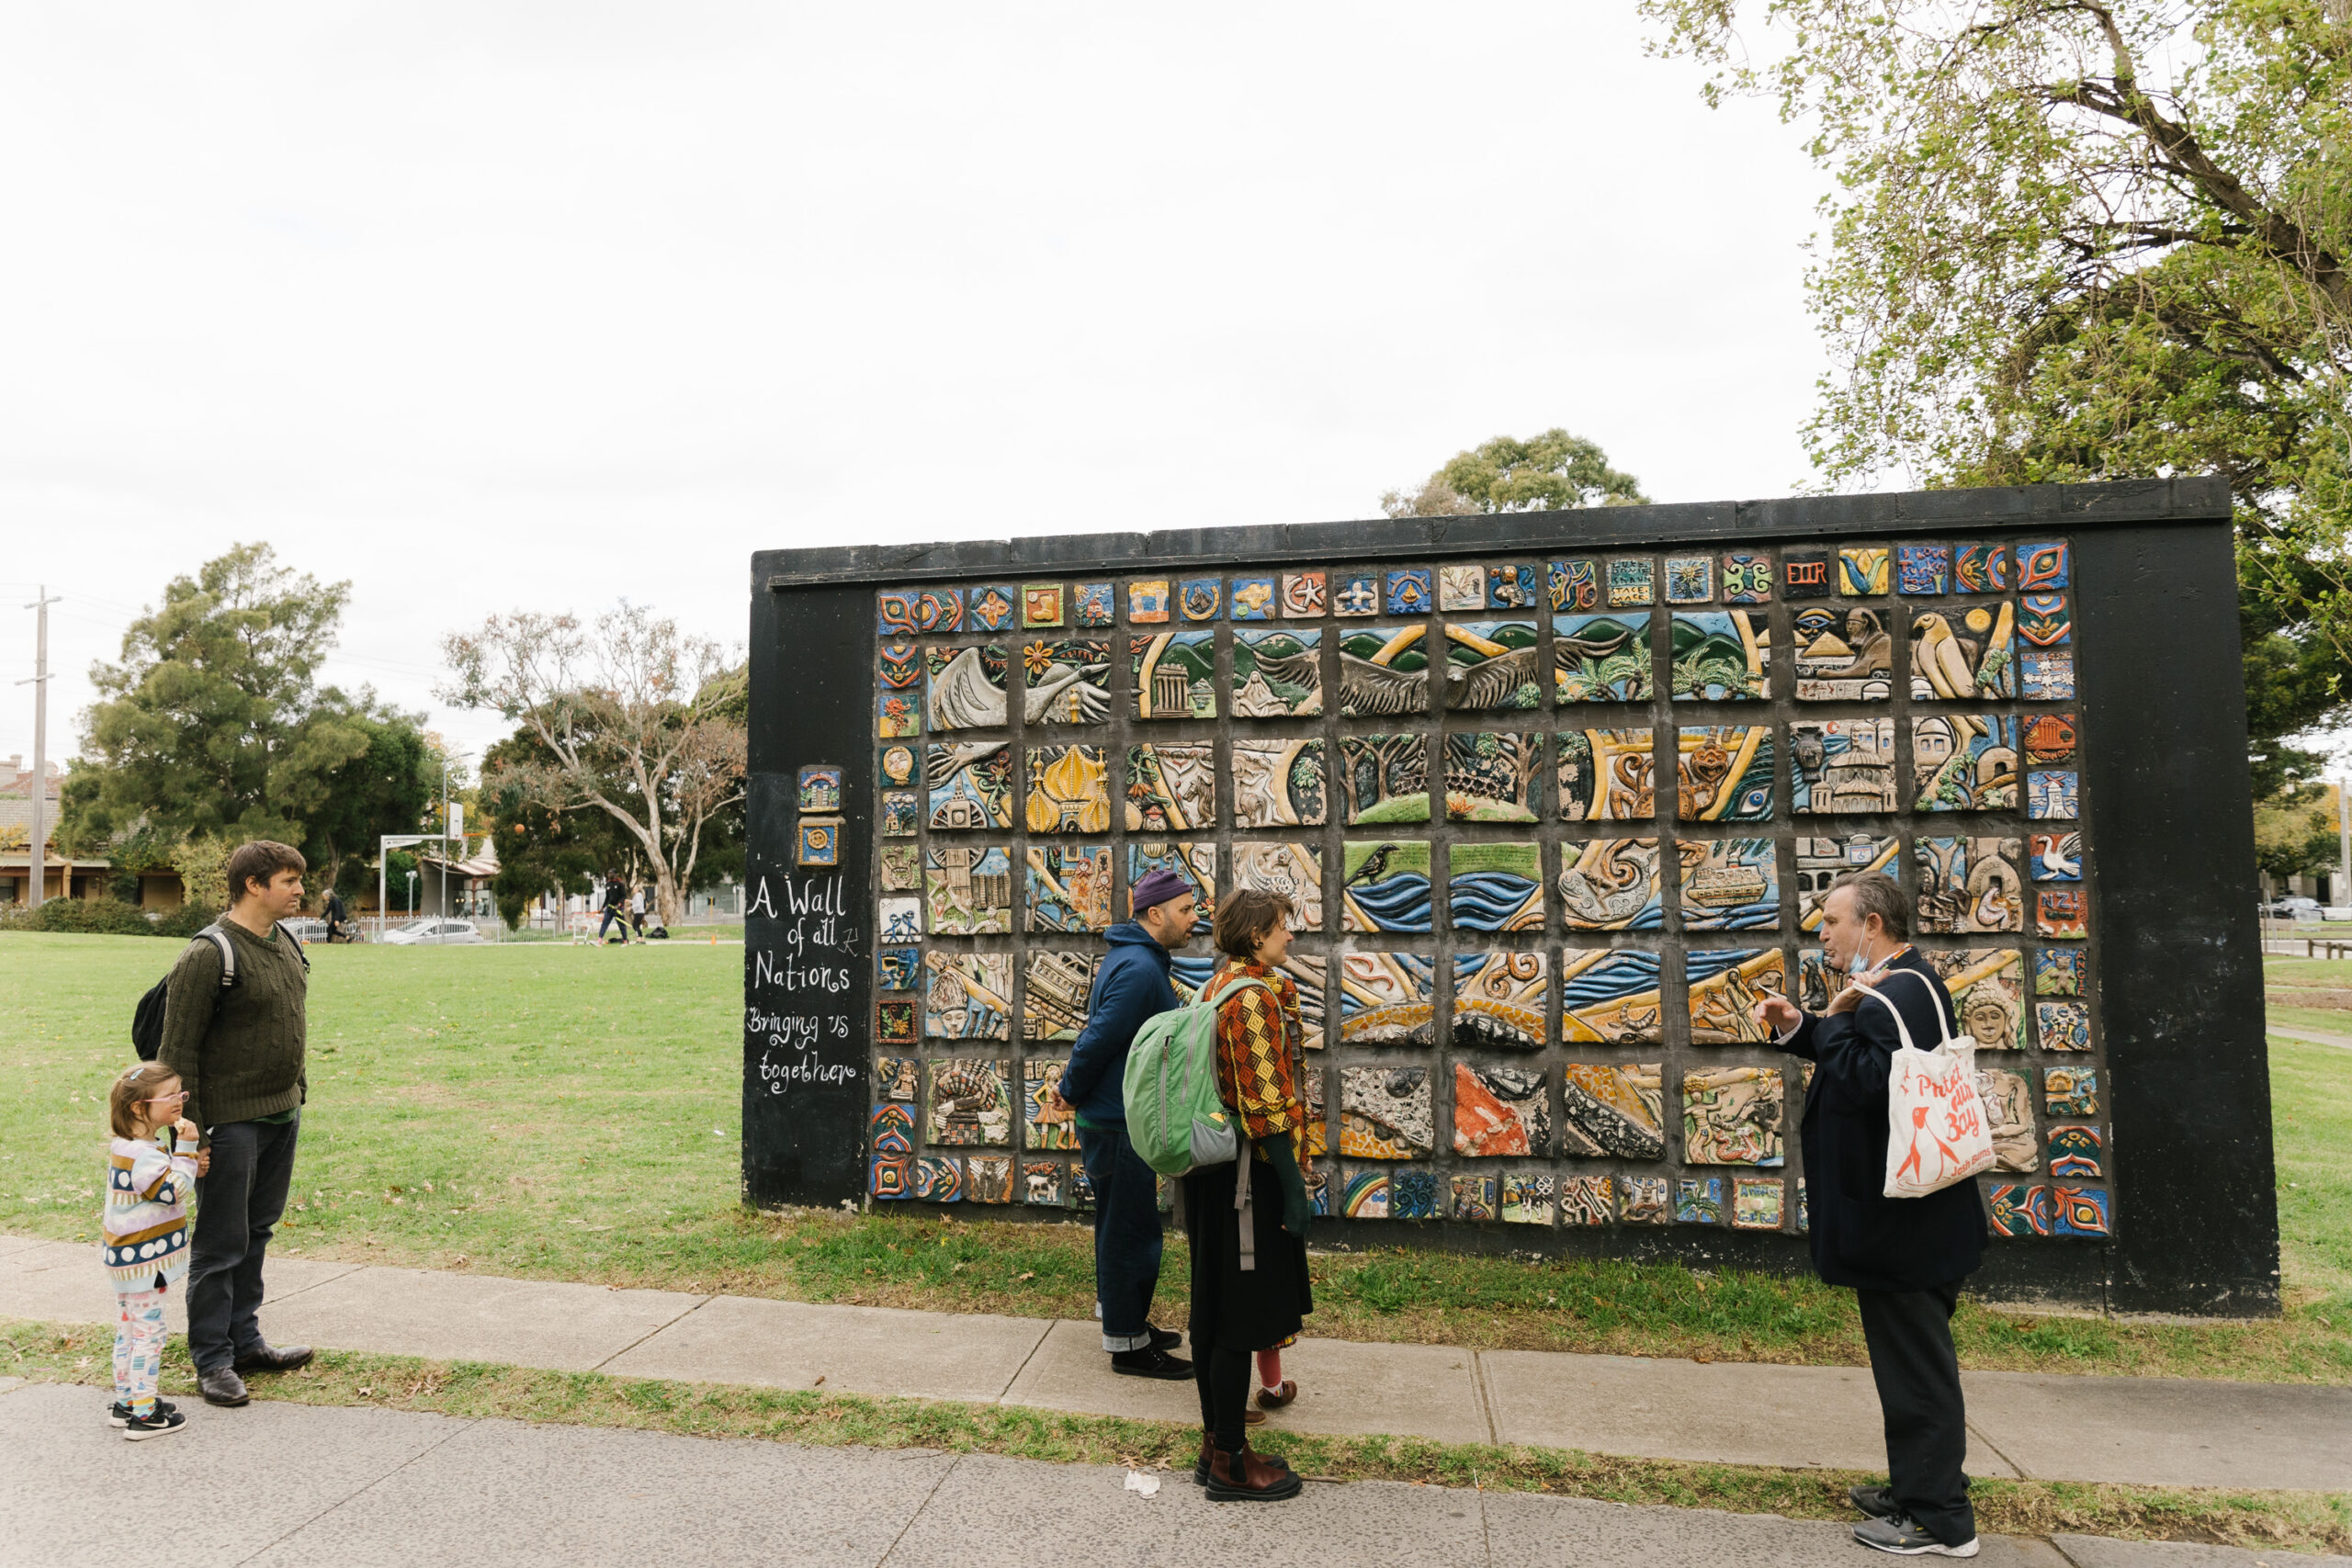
1233, 1310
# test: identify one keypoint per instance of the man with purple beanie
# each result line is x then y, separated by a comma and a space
1129, 990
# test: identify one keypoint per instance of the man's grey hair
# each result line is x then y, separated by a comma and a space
1875, 893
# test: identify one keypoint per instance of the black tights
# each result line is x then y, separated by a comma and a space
1223, 1378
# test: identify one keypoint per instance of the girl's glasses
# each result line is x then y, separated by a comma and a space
166, 1099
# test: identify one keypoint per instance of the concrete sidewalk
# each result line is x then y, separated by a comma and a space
2150, 1431
282, 1485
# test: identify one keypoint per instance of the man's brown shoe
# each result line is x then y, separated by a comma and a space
224, 1387
269, 1358
1250, 1477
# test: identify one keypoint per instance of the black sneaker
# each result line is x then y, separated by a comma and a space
1165, 1338
139, 1428
119, 1413
1902, 1536
1154, 1362
1873, 1502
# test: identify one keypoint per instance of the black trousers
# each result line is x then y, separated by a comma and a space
1917, 1373
1222, 1376
238, 1203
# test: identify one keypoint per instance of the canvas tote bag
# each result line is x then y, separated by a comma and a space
1937, 1128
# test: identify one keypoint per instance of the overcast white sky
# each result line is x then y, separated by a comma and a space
490, 306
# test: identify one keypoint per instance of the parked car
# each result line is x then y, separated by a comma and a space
308, 928
2292, 908
2336, 912
439, 933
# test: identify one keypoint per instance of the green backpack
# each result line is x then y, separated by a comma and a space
1175, 1119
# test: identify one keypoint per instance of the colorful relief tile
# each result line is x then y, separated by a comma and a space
889, 1179
2062, 1026
1724, 986
1923, 568
890, 1130
1277, 783
994, 608
1758, 1203
1386, 886
1981, 568
1386, 998
1527, 1197
1042, 1183
2017, 1210
2055, 857
1968, 655
1500, 1109
1840, 766
1461, 587
1492, 666
1500, 1000
1748, 580
1252, 598
1511, 587
1383, 672
1364, 1195
2061, 914
897, 715
1054, 1000
1187, 975
1475, 1198
1318, 1130
1632, 583
988, 1178
2049, 796
1357, 596
1987, 987
1613, 885
971, 1102
1732, 1116
1821, 861
1494, 776
898, 1077
970, 784
1065, 681
819, 841
2069, 1091
1278, 674
967, 995
1730, 884
1970, 884
1573, 584
911, 610
900, 666
2008, 1108
821, 790
1095, 605
901, 813
1816, 981
1291, 870
1195, 862
1200, 598
898, 968
938, 1178
1645, 1200
968, 888
2076, 1152
900, 919
1081, 1191
1495, 887
1041, 605
1806, 574
1964, 762
1614, 1112
1600, 659
1410, 592
2049, 738
1150, 604
1069, 790
1045, 1123
2060, 971
2078, 1212
2044, 620
1861, 570
1690, 579
1310, 973
1606, 775
1175, 675
1843, 655
1720, 656
966, 689
1068, 887
1699, 1201
2049, 675
1306, 595
1320, 1194
1385, 1113
897, 1021
1588, 1200
2045, 566
1724, 773
1384, 779
1172, 788
1611, 997
899, 764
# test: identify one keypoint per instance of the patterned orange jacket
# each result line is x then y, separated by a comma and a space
1260, 1041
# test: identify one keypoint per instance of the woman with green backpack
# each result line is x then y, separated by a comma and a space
1250, 1283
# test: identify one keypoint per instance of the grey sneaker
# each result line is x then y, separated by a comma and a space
1873, 1502
1902, 1536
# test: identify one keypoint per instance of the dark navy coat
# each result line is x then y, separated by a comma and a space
1130, 989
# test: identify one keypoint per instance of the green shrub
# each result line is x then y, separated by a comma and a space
85, 917
186, 921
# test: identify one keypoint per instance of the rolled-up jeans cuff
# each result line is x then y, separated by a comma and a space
1115, 1343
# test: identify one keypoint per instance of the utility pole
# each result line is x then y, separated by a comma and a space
39, 844
2344, 841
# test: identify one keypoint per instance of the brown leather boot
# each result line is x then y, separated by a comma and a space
1249, 1476
1201, 1470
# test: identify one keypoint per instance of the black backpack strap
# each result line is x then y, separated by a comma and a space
300, 952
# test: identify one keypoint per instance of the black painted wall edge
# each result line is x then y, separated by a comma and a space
1520, 532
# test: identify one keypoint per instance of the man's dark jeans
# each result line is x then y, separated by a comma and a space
1127, 1235
238, 1202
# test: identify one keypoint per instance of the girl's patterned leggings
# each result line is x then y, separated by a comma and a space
139, 1346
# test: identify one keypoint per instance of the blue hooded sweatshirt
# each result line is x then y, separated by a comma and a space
1130, 988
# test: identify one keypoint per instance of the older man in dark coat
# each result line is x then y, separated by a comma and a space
1903, 1258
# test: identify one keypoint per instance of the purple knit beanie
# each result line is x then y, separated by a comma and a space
1156, 887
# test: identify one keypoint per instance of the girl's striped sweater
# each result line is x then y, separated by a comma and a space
145, 1223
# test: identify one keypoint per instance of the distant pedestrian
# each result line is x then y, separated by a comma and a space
1903, 1258
1250, 1291
637, 911
240, 1054
1131, 987
151, 1165
616, 903
338, 918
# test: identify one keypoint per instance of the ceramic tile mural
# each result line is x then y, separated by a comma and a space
1425, 818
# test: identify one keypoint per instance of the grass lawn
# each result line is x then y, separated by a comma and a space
562, 1112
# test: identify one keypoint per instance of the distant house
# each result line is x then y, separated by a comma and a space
65, 878
457, 887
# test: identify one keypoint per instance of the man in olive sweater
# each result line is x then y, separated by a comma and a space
239, 1055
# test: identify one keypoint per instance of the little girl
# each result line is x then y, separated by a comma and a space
151, 1165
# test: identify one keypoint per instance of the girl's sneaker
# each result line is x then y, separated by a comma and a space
119, 1413
137, 1428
